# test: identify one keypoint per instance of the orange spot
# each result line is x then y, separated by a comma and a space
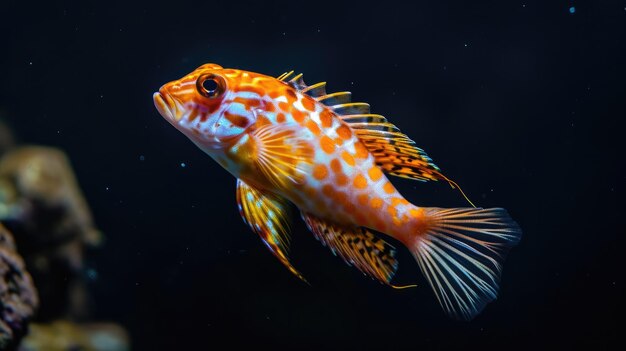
274, 94
341, 179
348, 158
361, 151
291, 96
326, 117
320, 172
360, 182
308, 103
298, 115
239, 121
398, 201
270, 107
313, 127
335, 165
376, 203
388, 187
280, 118
392, 210
417, 213
362, 198
327, 144
375, 173
283, 106
344, 132
248, 103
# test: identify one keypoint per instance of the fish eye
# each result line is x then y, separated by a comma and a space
210, 85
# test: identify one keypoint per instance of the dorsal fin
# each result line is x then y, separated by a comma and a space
395, 153
297, 82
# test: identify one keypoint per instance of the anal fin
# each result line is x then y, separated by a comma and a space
356, 246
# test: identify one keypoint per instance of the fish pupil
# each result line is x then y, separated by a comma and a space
210, 86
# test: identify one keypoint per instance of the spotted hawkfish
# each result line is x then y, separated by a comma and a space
292, 144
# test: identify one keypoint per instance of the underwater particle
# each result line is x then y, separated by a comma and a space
92, 274
183, 164
142, 158
572, 10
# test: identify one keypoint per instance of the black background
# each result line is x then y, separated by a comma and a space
521, 102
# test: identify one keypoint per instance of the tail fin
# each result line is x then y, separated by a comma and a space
460, 251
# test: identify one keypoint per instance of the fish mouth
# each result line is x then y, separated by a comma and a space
166, 106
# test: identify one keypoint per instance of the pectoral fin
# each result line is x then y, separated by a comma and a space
357, 246
280, 155
267, 215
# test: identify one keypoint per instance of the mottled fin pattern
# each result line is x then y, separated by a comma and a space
281, 157
461, 254
393, 150
356, 246
268, 216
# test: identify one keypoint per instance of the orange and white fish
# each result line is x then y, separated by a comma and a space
287, 142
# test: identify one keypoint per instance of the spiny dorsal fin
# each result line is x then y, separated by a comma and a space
268, 216
395, 153
297, 82
356, 246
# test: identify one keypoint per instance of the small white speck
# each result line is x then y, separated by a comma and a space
523, 5
284, 33
101, 96
30, 63
107, 188
183, 164
491, 190
319, 30
465, 44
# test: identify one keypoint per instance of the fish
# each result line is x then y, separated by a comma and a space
292, 145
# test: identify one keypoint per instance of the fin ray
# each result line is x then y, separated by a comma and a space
280, 156
461, 253
356, 246
268, 216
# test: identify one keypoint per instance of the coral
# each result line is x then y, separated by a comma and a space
18, 297
43, 206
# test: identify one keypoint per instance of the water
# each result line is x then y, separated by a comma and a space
519, 102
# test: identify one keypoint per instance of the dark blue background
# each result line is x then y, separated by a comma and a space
521, 102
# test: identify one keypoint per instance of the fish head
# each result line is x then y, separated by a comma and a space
198, 105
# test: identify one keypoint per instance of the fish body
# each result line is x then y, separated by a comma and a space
287, 142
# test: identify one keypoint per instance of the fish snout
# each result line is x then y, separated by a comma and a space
166, 103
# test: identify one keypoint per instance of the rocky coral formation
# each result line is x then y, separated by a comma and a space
41, 203
66, 336
43, 206
18, 297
